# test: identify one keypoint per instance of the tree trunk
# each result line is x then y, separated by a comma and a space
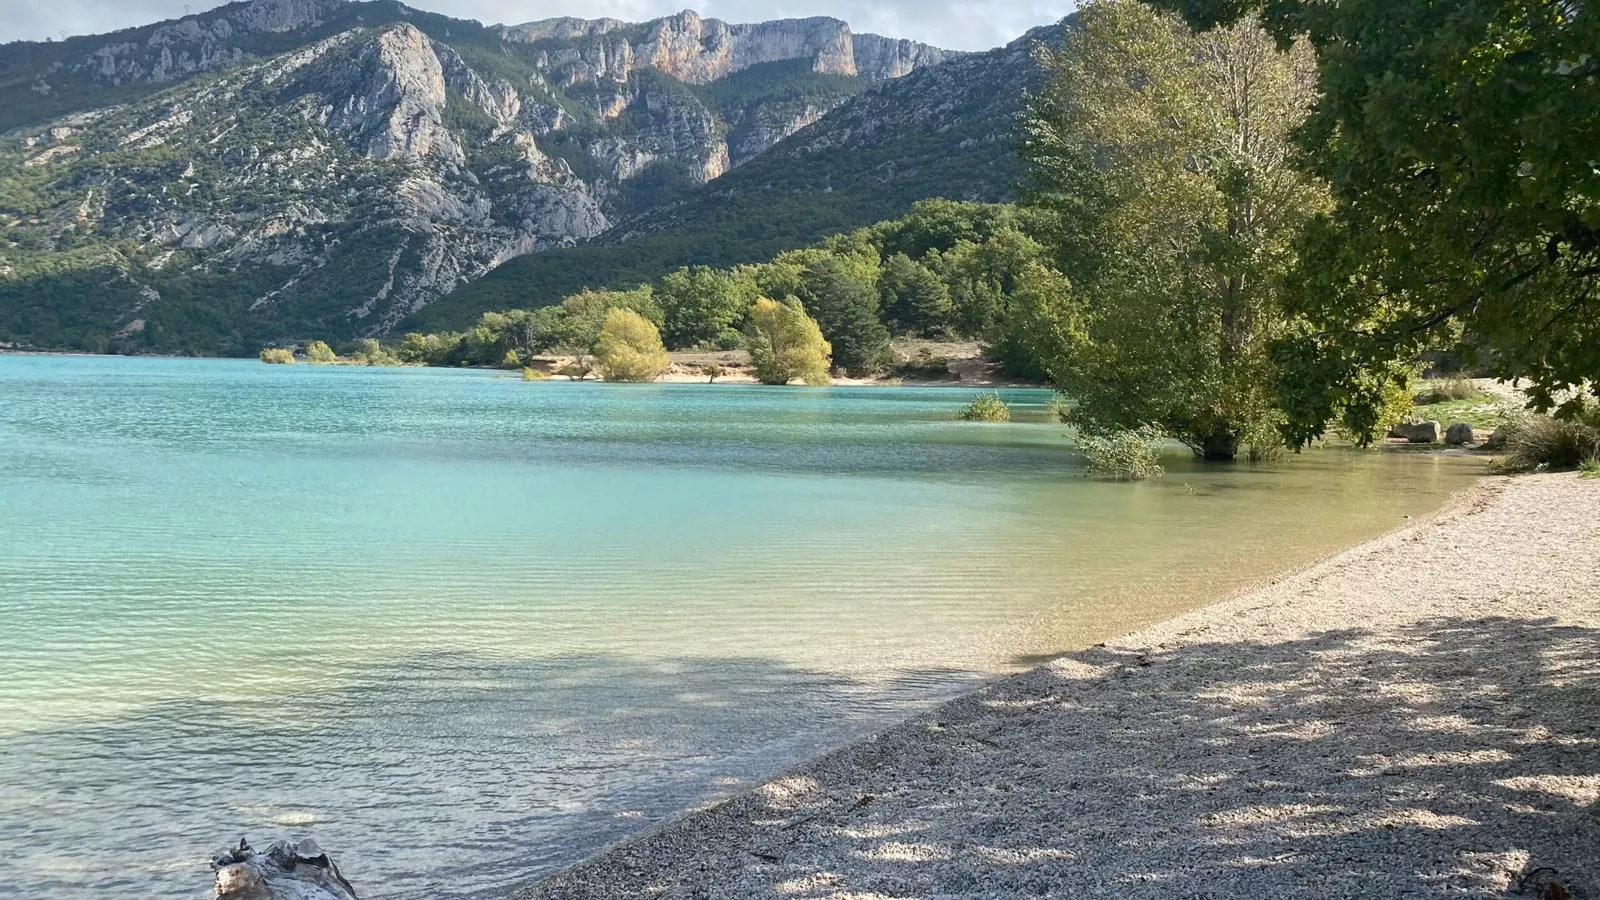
287, 870
1220, 448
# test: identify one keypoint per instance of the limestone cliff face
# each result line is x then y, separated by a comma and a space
201, 43
699, 51
342, 165
397, 109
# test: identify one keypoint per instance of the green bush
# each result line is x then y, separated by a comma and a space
1058, 408
529, 373
369, 352
278, 356
1123, 455
1539, 443
986, 408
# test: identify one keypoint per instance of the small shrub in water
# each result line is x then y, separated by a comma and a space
986, 408
1123, 455
1058, 409
278, 356
529, 373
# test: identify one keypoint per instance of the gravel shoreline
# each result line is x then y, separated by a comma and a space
1416, 716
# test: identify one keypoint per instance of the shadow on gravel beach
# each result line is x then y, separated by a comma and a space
1455, 756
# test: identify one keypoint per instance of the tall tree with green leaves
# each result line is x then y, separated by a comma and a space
1460, 143
1168, 151
841, 292
914, 300
701, 305
584, 314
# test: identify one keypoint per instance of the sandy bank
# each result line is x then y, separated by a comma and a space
1417, 716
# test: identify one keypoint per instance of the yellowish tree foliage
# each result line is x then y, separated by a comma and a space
320, 352
630, 348
786, 344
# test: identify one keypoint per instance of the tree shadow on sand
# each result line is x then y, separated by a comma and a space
1454, 756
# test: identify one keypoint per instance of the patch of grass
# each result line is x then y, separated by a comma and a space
1444, 390
1589, 469
1537, 443
986, 408
1485, 413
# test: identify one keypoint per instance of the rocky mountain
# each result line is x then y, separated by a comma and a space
294, 167
943, 131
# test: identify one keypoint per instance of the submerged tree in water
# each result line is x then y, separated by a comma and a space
1459, 140
630, 348
786, 344
1165, 155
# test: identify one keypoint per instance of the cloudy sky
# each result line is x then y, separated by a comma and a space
968, 25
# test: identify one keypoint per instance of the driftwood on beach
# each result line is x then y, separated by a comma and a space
287, 870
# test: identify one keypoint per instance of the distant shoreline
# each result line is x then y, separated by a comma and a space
1409, 715
977, 374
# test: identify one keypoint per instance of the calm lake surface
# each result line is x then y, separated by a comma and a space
464, 629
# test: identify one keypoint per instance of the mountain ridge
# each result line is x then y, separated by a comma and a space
285, 167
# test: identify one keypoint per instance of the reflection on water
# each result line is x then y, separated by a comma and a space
465, 628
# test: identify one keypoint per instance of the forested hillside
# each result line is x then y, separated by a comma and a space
283, 167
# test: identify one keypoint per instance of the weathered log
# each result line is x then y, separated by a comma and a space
287, 870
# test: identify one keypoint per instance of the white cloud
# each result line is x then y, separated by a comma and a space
975, 25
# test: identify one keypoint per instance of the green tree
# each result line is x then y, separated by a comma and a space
913, 299
786, 344
584, 314
630, 348
429, 349
702, 305
1196, 213
842, 294
981, 277
369, 352
1459, 140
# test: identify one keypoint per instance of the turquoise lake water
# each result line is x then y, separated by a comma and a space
464, 629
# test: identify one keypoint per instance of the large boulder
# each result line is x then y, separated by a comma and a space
1417, 432
287, 870
1458, 434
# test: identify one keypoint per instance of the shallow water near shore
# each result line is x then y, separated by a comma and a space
465, 629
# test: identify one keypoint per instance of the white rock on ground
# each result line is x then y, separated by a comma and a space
1418, 716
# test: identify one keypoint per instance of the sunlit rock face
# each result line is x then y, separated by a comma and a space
699, 51
335, 167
